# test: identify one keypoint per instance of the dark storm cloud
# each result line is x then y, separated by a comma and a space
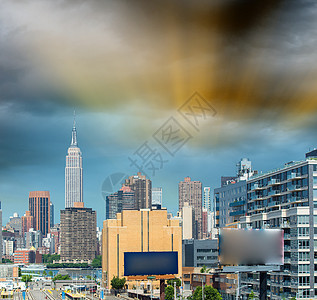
254, 59
117, 51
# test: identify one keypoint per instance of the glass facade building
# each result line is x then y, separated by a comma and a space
286, 198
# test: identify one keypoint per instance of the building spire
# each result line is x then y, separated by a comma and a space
74, 132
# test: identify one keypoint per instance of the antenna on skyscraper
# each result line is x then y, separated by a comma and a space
74, 123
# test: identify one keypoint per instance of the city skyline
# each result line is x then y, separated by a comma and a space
172, 190
126, 73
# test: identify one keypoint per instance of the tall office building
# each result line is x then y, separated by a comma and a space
157, 196
191, 192
207, 203
204, 223
73, 172
39, 206
27, 222
122, 200
142, 188
78, 237
51, 215
287, 198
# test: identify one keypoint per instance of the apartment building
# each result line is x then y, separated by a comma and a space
287, 198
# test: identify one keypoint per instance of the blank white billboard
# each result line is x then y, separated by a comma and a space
251, 246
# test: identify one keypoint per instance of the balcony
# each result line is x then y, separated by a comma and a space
256, 186
294, 176
287, 236
237, 213
237, 203
273, 203
294, 199
286, 283
285, 225
274, 192
274, 181
255, 197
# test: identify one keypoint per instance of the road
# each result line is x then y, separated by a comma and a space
37, 294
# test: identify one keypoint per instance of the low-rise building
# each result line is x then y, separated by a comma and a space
200, 253
142, 230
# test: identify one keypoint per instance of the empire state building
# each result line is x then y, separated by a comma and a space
73, 172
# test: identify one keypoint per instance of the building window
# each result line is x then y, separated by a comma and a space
303, 231
303, 268
303, 256
303, 244
303, 280
201, 257
303, 219
203, 250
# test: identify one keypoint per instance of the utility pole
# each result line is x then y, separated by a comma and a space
238, 288
174, 290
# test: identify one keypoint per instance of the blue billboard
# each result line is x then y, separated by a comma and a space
150, 263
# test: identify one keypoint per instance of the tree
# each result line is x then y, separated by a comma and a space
26, 279
171, 282
49, 258
210, 293
251, 296
204, 270
117, 283
61, 277
169, 293
20, 272
88, 277
50, 273
44, 273
97, 262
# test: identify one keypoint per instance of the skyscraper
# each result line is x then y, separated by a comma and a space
52, 214
142, 188
207, 203
39, 206
78, 235
117, 202
191, 192
73, 172
157, 197
27, 222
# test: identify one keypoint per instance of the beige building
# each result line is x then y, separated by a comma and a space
188, 221
191, 192
137, 231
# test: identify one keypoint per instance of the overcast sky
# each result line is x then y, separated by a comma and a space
127, 67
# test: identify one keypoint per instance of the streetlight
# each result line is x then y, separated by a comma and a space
202, 288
